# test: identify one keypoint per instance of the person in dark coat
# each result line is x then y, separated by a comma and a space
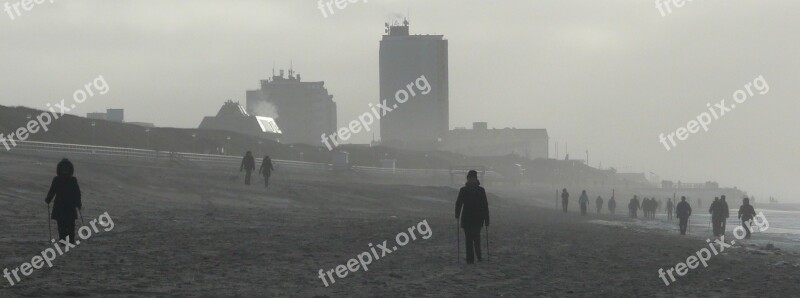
599, 203
472, 208
746, 214
670, 207
683, 211
66, 196
266, 169
645, 207
634, 206
583, 201
726, 212
248, 165
612, 205
564, 199
716, 217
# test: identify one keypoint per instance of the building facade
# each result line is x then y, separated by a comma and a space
304, 111
482, 141
233, 117
423, 121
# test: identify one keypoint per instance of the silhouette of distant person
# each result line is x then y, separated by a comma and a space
683, 211
646, 207
66, 196
612, 205
564, 199
726, 212
472, 208
670, 206
716, 217
248, 165
599, 203
633, 207
584, 202
266, 169
653, 205
746, 214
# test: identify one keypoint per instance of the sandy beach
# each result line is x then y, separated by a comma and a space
189, 233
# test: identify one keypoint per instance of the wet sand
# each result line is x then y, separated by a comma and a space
180, 232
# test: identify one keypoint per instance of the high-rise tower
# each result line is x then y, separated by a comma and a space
422, 121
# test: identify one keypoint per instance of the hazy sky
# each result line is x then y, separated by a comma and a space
607, 76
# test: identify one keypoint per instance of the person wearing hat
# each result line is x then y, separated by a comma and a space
66, 196
472, 208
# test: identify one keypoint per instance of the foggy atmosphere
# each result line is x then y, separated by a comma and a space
399, 148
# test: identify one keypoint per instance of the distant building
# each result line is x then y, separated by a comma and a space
96, 116
233, 117
303, 110
421, 122
482, 141
115, 115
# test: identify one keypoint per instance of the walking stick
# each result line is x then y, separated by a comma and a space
488, 256
81, 214
458, 243
49, 227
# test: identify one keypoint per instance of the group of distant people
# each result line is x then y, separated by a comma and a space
719, 210
648, 205
249, 165
583, 201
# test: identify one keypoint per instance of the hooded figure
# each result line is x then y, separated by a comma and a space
266, 169
683, 211
599, 203
248, 165
66, 196
584, 202
472, 208
746, 214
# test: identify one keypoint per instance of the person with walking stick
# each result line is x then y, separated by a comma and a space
472, 208
66, 197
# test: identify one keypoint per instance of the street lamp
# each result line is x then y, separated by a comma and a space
93, 124
194, 142
229, 145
